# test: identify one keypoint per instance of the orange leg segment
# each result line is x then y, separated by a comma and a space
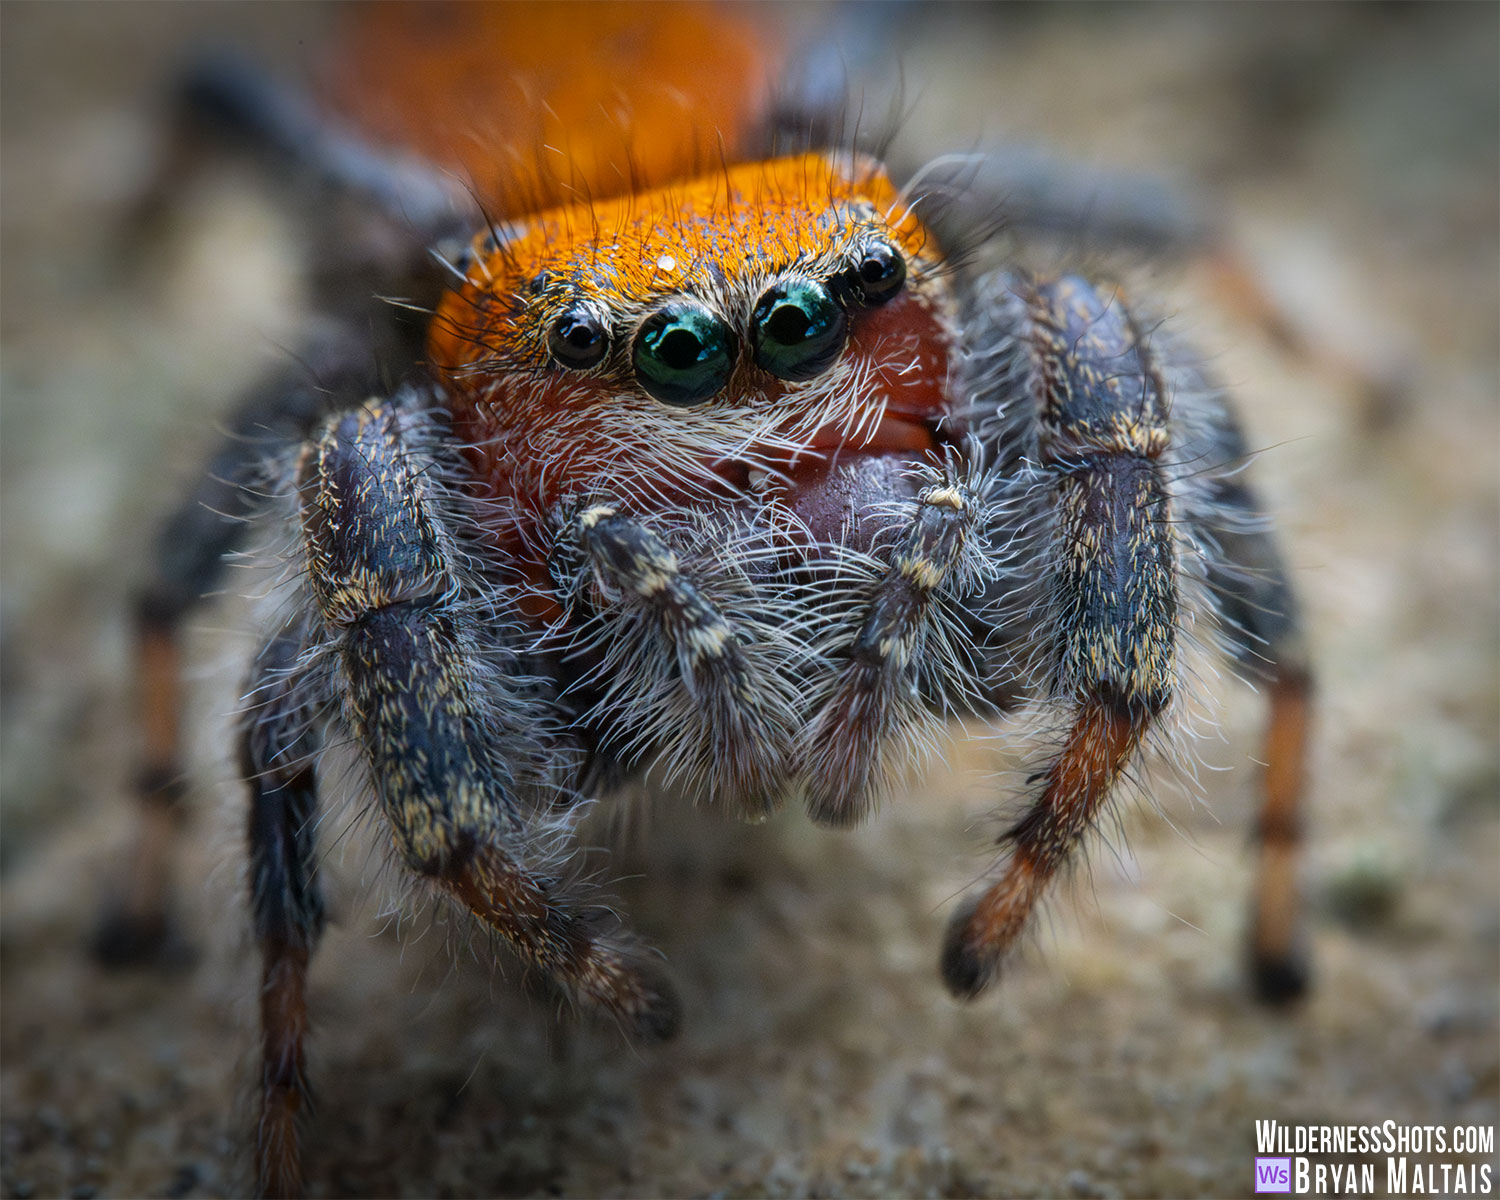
1103, 738
135, 928
558, 942
1277, 955
283, 1020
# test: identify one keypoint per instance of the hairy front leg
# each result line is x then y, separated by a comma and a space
459, 751
1104, 613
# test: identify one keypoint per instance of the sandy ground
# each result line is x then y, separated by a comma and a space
1354, 154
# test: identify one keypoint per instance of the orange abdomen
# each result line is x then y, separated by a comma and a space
540, 104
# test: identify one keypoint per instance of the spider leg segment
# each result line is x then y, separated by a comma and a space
1260, 616
1106, 591
188, 563
278, 742
447, 731
1087, 208
235, 102
1104, 737
855, 740
729, 719
1277, 958
1133, 461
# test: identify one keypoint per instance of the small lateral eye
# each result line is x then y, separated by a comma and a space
877, 277
683, 353
577, 340
798, 329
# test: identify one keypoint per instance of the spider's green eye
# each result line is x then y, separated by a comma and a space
877, 277
577, 340
798, 329
683, 353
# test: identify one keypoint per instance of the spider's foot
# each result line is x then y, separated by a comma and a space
642, 998
1279, 979
968, 964
660, 1020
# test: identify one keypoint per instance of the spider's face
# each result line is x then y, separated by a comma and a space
734, 335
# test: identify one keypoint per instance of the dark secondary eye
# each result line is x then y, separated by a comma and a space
798, 329
683, 353
577, 339
877, 277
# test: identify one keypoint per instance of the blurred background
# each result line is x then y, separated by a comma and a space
1350, 154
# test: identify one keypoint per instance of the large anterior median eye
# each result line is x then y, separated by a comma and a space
683, 353
798, 329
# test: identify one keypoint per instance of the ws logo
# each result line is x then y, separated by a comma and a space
1273, 1175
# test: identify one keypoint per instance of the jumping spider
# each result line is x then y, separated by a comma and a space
735, 475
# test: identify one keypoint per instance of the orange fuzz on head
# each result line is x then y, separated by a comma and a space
754, 326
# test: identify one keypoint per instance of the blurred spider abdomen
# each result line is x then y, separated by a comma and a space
539, 105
